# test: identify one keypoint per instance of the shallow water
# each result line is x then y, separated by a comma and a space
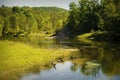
63, 71
93, 61
103, 58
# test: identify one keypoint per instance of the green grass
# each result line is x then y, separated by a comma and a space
86, 35
17, 57
89, 35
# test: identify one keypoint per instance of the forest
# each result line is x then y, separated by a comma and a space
22, 21
100, 17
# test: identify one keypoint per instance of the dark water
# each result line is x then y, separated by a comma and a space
96, 61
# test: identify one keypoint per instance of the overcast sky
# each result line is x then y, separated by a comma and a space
38, 3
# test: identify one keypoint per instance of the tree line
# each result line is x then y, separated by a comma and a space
83, 17
21, 21
94, 15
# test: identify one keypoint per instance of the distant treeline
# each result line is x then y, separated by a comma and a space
21, 21
87, 16
94, 15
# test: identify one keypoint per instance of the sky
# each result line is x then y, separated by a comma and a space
38, 3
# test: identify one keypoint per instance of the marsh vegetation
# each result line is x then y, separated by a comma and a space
25, 57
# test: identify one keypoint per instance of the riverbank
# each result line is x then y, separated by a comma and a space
16, 57
100, 36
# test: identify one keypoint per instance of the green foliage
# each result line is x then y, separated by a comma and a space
16, 9
21, 21
94, 15
1, 25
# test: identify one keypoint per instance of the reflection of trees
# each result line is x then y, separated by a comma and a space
74, 67
93, 70
36, 41
108, 55
111, 62
103, 52
89, 71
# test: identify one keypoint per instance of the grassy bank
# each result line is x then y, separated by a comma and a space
85, 37
97, 35
100, 36
89, 35
16, 58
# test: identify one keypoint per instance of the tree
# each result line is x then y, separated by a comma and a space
1, 24
83, 17
73, 19
16, 9
21, 21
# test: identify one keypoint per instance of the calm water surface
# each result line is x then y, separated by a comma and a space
64, 71
97, 61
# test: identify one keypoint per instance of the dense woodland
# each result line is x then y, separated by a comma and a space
21, 21
100, 16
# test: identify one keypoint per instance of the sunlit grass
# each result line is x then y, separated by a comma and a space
89, 37
15, 56
86, 35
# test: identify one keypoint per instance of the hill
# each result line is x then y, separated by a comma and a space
17, 21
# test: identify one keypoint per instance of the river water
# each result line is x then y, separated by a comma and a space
98, 61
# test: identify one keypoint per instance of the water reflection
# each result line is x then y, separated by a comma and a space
70, 71
37, 41
82, 68
93, 61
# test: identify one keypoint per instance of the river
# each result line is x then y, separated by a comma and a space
97, 61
